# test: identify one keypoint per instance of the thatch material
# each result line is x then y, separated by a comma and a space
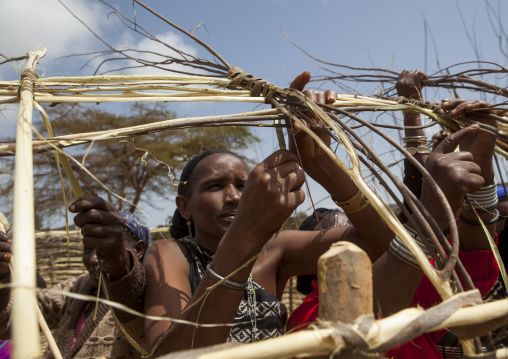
242, 87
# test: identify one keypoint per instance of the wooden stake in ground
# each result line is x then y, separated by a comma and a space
25, 327
345, 285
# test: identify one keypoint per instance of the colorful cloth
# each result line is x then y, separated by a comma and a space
480, 265
260, 314
5, 349
98, 338
138, 228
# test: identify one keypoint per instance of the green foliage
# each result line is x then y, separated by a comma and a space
138, 169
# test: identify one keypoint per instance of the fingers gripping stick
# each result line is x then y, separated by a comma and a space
4, 223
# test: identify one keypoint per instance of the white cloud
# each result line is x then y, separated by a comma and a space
151, 48
27, 24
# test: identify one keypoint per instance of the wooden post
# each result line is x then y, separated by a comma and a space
345, 283
25, 327
345, 286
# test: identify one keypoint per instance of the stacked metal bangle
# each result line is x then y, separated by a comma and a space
484, 199
231, 284
399, 249
421, 139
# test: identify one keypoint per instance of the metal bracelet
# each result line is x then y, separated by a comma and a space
231, 284
418, 150
414, 139
477, 223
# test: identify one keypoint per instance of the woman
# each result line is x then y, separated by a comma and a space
235, 216
233, 258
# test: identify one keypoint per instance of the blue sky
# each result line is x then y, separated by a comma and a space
248, 34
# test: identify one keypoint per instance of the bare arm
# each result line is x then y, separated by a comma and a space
481, 146
316, 163
456, 173
271, 194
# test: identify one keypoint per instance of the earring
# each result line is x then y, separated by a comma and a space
189, 226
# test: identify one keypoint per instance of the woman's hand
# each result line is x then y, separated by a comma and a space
410, 84
300, 143
5, 253
271, 194
481, 144
455, 172
102, 228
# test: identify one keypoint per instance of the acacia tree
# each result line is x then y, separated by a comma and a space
139, 169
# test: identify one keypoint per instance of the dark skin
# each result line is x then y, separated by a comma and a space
478, 148
102, 229
293, 252
228, 206
409, 85
5, 253
456, 173
481, 147
89, 252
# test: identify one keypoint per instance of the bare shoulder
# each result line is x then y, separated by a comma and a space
163, 257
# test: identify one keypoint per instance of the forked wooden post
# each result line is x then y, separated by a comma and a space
345, 283
25, 326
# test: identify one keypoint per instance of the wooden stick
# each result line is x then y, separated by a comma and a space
329, 340
25, 328
4, 227
345, 283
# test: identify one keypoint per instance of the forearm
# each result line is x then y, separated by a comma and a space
367, 222
129, 291
210, 306
394, 284
471, 233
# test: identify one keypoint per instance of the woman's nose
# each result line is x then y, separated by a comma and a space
233, 194
93, 259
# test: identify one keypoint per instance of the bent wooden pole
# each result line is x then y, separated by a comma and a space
25, 326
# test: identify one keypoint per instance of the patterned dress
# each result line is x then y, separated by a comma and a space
260, 314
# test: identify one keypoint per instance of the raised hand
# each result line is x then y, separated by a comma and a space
300, 142
5, 253
410, 84
481, 144
102, 228
455, 172
271, 194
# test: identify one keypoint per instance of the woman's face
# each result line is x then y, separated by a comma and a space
90, 262
215, 191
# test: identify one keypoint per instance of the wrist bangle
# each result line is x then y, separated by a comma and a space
398, 248
485, 197
354, 204
414, 139
479, 210
477, 223
422, 149
231, 284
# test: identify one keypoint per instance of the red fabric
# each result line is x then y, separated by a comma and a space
480, 265
79, 328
